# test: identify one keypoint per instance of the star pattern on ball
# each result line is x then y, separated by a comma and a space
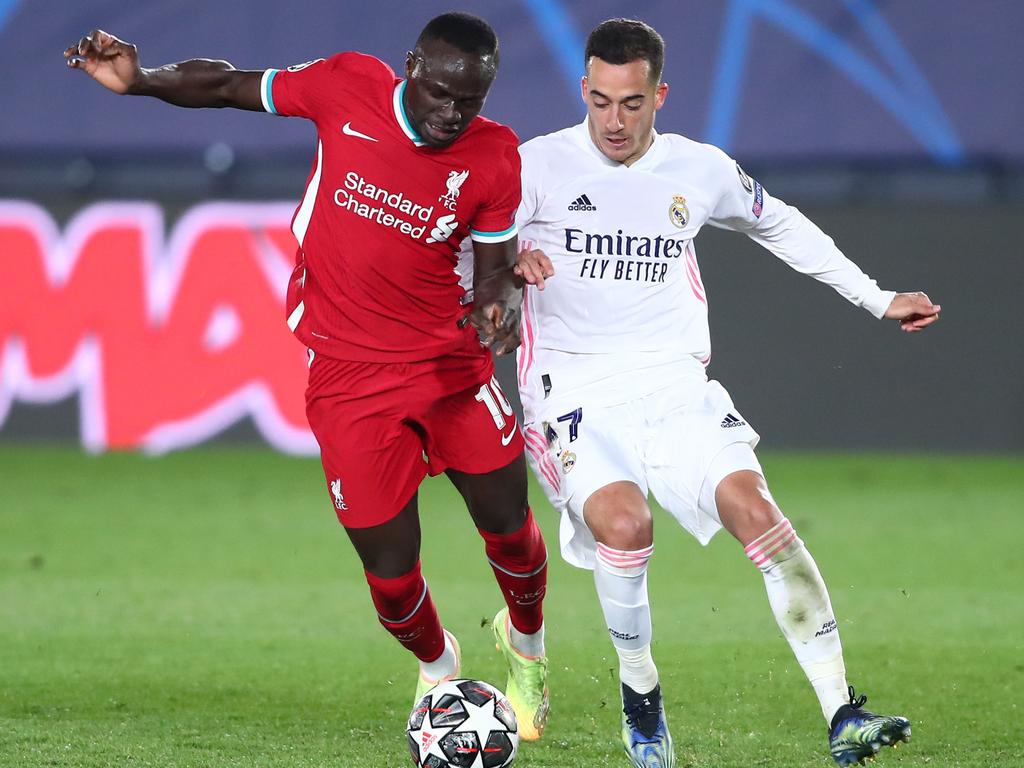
428, 737
462, 724
480, 721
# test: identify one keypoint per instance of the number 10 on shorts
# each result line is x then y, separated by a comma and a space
490, 394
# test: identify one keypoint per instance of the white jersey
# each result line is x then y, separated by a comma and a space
627, 292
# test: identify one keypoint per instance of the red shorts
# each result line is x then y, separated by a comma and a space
383, 426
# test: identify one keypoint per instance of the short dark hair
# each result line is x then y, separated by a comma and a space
468, 33
620, 41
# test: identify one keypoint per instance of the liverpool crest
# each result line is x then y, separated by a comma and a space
454, 183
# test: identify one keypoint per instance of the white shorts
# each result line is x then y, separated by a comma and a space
679, 451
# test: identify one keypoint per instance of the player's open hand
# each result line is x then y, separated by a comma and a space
915, 311
111, 62
533, 265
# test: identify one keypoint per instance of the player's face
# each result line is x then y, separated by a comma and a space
621, 102
446, 89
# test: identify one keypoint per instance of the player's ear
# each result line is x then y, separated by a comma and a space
583, 87
410, 60
659, 95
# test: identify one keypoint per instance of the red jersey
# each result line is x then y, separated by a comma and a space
380, 223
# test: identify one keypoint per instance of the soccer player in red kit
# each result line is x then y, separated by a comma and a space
399, 383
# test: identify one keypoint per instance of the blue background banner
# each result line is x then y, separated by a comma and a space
788, 80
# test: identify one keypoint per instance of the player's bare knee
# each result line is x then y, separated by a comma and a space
500, 518
389, 565
761, 514
628, 532
391, 549
751, 518
619, 517
745, 505
503, 512
497, 501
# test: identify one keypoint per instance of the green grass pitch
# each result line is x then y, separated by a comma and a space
205, 609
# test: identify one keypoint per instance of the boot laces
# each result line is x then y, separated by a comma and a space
644, 714
855, 701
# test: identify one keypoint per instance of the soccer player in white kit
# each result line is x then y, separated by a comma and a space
612, 374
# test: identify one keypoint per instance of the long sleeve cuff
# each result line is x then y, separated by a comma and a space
877, 301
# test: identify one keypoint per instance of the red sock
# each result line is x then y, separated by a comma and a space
406, 610
520, 563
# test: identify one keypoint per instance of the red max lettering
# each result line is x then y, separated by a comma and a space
167, 343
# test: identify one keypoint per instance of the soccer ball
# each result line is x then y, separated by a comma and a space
463, 724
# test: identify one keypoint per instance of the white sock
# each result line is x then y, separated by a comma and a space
445, 665
637, 670
802, 608
531, 645
621, 581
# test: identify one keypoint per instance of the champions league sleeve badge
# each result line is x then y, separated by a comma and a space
745, 180
753, 188
678, 213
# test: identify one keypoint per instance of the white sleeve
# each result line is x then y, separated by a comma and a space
530, 202
743, 205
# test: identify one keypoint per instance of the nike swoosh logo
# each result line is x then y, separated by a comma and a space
348, 130
506, 439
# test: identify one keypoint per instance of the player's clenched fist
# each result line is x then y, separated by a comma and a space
111, 62
498, 323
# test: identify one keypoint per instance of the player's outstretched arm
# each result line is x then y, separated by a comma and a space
196, 83
915, 311
497, 295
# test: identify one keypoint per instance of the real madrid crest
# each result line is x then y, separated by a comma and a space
678, 213
568, 461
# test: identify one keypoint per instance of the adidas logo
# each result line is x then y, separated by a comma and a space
732, 421
582, 203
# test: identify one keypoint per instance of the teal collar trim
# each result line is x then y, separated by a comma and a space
402, 118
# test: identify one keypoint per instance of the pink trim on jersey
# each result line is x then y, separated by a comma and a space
535, 445
693, 275
534, 441
545, 469
691, 255
553, 470
538, 449
769, 544
697, 286
529, 338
